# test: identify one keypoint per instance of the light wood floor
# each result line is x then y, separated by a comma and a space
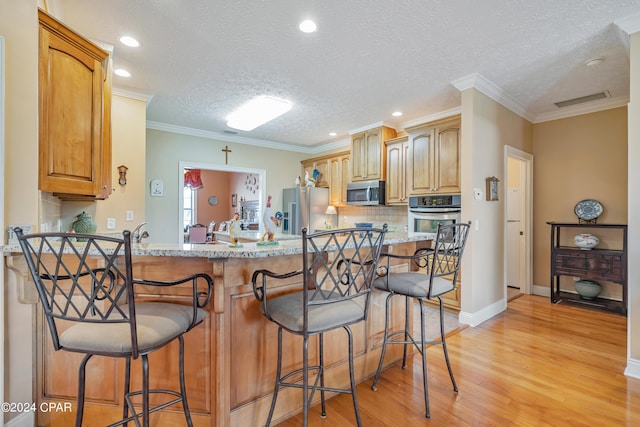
536, 364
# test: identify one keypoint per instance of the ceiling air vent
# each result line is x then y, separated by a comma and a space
583, 99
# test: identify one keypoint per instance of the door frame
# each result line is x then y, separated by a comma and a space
526, 188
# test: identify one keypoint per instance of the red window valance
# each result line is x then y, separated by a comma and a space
192, 179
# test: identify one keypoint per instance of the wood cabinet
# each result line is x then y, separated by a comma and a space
335, 173
397, 159
368, 154
434, 158
595, 264
340, 176
74, 105
322, 165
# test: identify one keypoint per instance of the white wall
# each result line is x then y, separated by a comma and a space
633, 328
165, 151
487, 127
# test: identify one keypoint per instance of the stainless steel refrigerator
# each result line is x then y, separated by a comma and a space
304, 207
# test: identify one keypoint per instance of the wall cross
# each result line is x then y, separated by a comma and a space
226, 154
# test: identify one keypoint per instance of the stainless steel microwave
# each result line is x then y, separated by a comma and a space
366, 193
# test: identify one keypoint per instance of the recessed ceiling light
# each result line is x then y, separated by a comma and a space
257, 112
129, 41
122, 72
332, 134
308, 26
396, 113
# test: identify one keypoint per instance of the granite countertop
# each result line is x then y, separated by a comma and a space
222, 249
256, 235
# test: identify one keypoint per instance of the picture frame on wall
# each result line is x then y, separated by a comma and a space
234, 200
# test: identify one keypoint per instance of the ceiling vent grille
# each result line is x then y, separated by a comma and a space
583, 99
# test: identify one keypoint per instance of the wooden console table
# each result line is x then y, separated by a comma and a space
594, 264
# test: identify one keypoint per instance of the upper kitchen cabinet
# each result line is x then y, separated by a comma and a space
74, 104
434, 158
321, 164
397, 160
335, 173
340, 175
368, 154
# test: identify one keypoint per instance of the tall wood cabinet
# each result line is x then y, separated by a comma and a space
434, 153
368, 154
397, 159
74, 104
335, 173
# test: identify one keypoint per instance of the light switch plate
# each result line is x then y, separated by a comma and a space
129, 215
12, 238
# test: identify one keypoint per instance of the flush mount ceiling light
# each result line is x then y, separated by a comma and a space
332, 134
129, 41
396, 113
122, 72
308, 26
594, 61
257, 112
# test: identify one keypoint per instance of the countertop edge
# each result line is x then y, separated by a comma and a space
223, 251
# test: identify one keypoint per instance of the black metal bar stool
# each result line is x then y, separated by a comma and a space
440, 266
87, 281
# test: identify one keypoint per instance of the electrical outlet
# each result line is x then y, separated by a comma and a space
477, 194
129, 215
111, 223
12, 238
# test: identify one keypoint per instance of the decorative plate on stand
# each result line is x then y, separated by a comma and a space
588, 211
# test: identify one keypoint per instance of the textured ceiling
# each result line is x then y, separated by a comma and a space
201, 59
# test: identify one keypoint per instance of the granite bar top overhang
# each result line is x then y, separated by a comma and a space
222, 250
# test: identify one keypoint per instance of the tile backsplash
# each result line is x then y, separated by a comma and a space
50, 213
394, 216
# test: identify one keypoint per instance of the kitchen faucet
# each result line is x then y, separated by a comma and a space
139, 233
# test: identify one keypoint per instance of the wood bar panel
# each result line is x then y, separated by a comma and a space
230, 358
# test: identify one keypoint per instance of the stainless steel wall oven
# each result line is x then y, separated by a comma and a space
425, 212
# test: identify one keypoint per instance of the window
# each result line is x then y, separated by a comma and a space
189, 206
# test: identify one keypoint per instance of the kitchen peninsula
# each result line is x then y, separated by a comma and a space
230, 365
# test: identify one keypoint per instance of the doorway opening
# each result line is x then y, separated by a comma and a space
225, 190
518, 223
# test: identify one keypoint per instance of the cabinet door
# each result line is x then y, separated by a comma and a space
421, 149
396, 172
71, 85
358, 157
447, 158
373, 149
324, 179
346, 178
335, 172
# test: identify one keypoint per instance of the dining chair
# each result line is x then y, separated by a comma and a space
338, 269
86, 286
197, 233
438, 271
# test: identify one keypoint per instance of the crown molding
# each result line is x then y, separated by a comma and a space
372, 126
586, 108
482, 84
226, 137
330, 147
432, 118
629, 24
139, 96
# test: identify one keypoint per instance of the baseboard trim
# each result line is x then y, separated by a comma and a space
474, 319
26, 419
633, 368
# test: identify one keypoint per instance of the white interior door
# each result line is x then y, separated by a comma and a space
514, 237
518, 215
